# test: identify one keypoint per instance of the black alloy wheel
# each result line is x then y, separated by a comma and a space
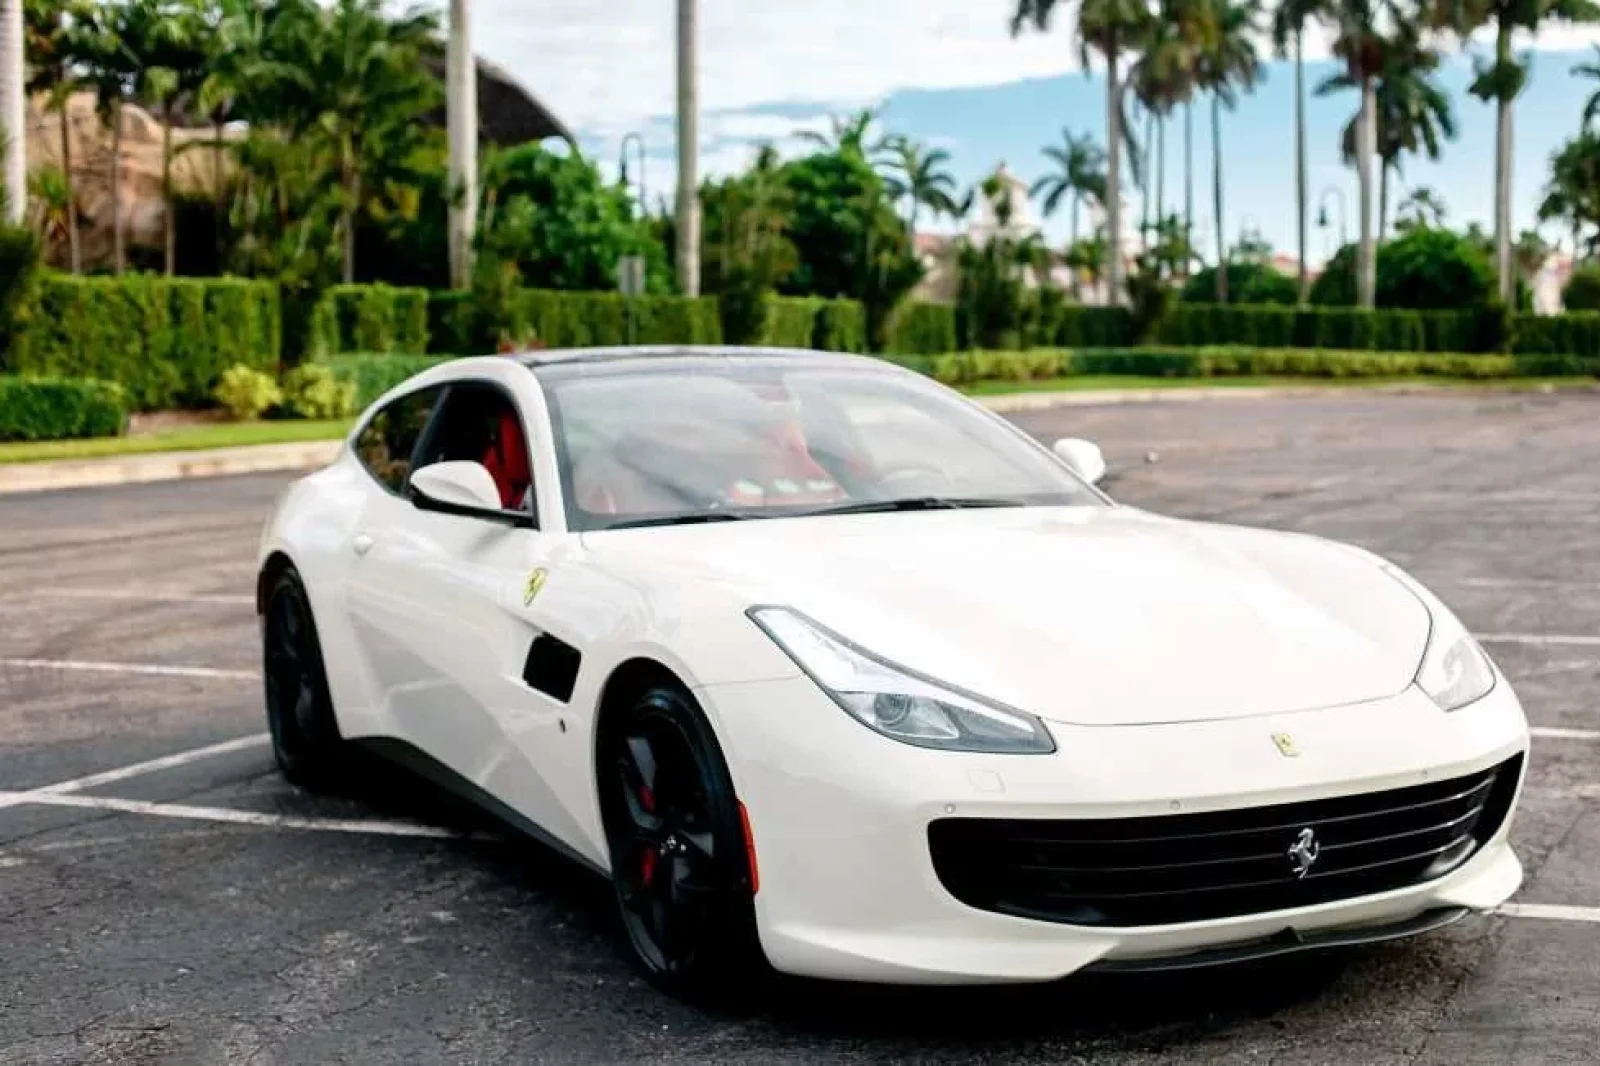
305, 734
678, 851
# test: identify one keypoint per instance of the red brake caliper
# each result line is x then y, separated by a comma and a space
647, 860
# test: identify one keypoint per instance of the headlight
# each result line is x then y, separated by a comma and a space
1454, 671
896, 702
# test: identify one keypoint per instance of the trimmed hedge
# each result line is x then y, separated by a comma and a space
790, 322
922, 329
1331, 327
965, 368
369, 318
56, 409
166, 341
373, 375
600, 319
453, 322
841, 326
1576, 333
1075, 326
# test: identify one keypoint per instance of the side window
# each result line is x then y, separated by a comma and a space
386, 443
479, 422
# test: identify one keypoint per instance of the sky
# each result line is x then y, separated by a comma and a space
949, 73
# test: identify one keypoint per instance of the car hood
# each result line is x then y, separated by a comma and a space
1090, 616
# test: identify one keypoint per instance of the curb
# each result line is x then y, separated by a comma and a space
56, 474
1004, 403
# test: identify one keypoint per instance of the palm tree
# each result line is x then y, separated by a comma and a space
168, 43
48, 48
1421, 209
852, 134
1571, 195
1360, 42
920, 176
1413, 115
98, 42
1079, 172
357, 81
14, 109
1113, 29
1289, 21
1591, 71
1163, 79
1502, 81
1230, 63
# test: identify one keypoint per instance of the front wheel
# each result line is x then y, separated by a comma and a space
678, 848
305, 734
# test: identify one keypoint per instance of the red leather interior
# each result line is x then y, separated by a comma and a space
507, 461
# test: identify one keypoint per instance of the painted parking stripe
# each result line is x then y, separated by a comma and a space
1557, 733
7, 861
373, 827
145, 669
144, 595
150, 766
1570, 639
1551, 912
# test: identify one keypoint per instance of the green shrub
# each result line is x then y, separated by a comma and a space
313, 391
19, 273
1575, 334
1248, 283
369, 318
453, 324
1094, 327
788, 322
56, 409
922, 329
600, 319
373, 375
841, 326
1582, 290
166, 341
247, 393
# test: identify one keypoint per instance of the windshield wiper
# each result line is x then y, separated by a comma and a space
694, 519
915, 503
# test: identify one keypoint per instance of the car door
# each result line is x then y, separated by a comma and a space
439, 599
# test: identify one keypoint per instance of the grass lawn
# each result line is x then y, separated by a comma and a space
183, 439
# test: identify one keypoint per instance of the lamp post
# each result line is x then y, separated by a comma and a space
622, 166
688, 149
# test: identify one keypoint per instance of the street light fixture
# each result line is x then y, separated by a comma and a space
1322, 212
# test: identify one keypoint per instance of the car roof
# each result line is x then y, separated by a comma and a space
640, 355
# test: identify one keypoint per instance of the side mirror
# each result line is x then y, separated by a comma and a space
1083, 456
463, 488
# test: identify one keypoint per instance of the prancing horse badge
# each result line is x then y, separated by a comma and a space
535, 583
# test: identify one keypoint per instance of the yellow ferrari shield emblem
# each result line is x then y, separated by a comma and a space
1285, 744
535, 583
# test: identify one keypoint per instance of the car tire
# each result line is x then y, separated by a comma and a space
680, 861
306, 742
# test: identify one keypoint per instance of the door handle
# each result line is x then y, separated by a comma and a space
362, 543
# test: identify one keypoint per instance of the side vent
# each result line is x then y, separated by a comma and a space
552, 667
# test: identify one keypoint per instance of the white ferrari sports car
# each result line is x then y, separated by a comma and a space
827, 668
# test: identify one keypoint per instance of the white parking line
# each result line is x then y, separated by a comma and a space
225, 814
1551, 911
1575, 639
1557, 733
150, 595
147, 669
8, 861
166, 762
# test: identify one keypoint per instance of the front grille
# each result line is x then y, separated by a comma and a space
1194, 867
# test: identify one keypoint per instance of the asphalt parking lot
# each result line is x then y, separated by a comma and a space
197, 909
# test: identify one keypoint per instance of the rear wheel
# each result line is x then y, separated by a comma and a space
678, 851
305, 734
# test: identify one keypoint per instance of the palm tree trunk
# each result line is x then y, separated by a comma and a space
688, 149
1502, 175
166, 191
220, 206
461, 105
14, 109
119, 247
347, 222
74, 246
1383, 199
1072, 242
1216, 195
1188, 177
1144, 185
1365, 135
1300, 193
1113, 181
1161, 168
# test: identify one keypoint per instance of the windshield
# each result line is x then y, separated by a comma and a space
671, 441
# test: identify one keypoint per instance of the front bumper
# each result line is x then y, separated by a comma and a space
848, 888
